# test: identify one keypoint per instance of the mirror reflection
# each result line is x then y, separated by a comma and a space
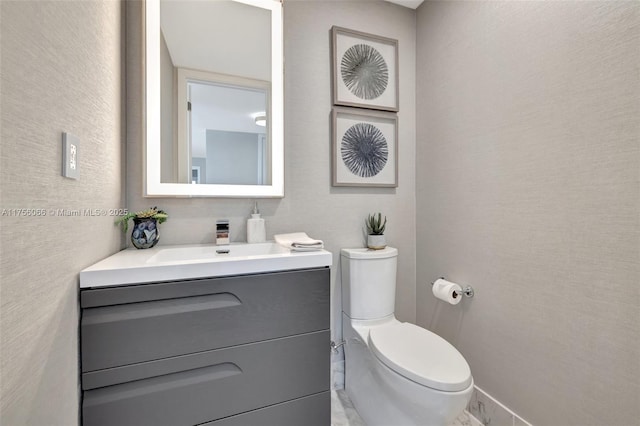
227, 128
215, 59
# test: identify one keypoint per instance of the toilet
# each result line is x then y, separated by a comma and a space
397, 374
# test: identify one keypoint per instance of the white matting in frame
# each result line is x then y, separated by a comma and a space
364, 70
364, 148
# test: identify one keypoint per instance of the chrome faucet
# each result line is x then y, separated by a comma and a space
222, 232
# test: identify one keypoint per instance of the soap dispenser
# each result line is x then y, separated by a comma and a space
256, 232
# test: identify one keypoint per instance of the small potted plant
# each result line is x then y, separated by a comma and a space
145, 226
375, 230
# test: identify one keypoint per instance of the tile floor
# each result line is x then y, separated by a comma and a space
344, 414
342, 411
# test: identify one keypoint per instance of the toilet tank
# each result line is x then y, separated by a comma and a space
368, 282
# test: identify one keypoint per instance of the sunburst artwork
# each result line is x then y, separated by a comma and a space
364, 148
364, 70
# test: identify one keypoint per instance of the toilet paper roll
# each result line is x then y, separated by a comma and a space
447, 291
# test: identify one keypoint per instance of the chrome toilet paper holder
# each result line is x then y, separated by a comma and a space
467, 291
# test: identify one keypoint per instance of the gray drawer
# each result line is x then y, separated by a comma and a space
215, 385
132, 324
314, 410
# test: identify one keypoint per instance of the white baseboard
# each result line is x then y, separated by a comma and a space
485, 410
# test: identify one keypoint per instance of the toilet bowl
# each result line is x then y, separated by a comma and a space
397, 374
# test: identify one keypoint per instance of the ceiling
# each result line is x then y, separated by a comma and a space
412, 4
218, 36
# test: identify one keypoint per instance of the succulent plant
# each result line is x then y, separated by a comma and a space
151, 213
375, 225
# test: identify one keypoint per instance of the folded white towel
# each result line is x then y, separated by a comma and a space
298, 241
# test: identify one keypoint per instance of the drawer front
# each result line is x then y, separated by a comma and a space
234, 380
127, 325
314, 410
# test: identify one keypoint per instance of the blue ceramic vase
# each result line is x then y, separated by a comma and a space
145, 233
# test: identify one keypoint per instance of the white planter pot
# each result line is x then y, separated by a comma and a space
376, 242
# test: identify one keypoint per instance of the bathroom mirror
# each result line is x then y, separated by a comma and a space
214, 98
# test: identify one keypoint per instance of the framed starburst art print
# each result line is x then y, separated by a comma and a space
364, 70
364, 148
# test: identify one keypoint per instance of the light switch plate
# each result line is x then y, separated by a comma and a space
70, 150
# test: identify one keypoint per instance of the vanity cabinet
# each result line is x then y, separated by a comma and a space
240, 350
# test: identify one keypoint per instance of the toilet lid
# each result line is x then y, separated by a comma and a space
421, 356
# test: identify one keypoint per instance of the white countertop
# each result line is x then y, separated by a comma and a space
167, 263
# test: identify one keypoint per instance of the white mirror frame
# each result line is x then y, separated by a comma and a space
153, 187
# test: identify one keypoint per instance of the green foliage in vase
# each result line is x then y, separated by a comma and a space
151, 213
375, 225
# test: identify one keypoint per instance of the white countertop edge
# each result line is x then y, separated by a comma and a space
96, 277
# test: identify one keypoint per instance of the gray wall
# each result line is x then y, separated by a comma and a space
60, 71
311, 204
232, 157
528, 189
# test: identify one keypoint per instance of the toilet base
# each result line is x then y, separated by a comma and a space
382, 397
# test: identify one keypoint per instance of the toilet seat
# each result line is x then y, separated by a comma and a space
421, 356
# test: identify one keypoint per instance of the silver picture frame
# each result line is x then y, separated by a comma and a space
364, 148
364, 70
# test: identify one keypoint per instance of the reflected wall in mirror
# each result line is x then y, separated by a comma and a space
222, 130
214, 98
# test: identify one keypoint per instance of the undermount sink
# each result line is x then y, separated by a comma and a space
167, 263
217, 253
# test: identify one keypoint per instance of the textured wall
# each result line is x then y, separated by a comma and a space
60, 71
311, 204
528, 189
